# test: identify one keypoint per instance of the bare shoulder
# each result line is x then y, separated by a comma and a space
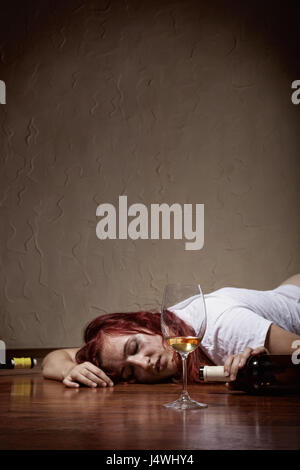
294, 280
72, 352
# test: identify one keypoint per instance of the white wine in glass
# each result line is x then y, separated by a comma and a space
183, 324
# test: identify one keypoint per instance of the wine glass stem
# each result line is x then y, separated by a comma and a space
184, 376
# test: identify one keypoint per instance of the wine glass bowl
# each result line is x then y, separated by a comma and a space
183, 324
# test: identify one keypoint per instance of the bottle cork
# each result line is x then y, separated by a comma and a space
212, 374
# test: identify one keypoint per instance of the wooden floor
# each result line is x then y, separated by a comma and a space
42, 414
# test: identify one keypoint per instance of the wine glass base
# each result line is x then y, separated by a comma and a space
185, 403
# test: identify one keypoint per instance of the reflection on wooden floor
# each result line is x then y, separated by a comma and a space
43, 414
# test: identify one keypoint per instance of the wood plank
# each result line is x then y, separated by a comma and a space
36, 413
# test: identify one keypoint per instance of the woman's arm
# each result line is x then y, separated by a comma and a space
61, 365
280, 341
294, 280
58, 363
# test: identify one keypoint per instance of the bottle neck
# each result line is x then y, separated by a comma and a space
262, 374
217, 374
212, 374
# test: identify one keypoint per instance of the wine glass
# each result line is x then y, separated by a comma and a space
183, 324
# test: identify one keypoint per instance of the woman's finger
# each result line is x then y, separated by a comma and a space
69, 383
98, 373
227, 364
244, 356
259, 350
84, 380
235, 367
94, 378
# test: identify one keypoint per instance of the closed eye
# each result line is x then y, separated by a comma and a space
135, 348
132, 348
127, 373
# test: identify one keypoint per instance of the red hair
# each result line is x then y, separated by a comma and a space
132, 323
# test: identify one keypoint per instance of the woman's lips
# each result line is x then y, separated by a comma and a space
161, 364
158, 364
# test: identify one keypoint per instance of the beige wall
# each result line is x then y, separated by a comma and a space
184, 102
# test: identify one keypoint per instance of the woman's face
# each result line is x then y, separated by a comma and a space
139, 356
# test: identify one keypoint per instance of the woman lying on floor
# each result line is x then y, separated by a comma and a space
129, 347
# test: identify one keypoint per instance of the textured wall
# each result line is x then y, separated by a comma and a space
162, 101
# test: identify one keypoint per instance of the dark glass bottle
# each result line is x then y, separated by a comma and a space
19, 363
262, 374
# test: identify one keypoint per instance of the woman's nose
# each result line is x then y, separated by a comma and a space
138, 360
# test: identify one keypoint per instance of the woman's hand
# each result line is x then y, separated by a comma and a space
235, 362
86, 374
